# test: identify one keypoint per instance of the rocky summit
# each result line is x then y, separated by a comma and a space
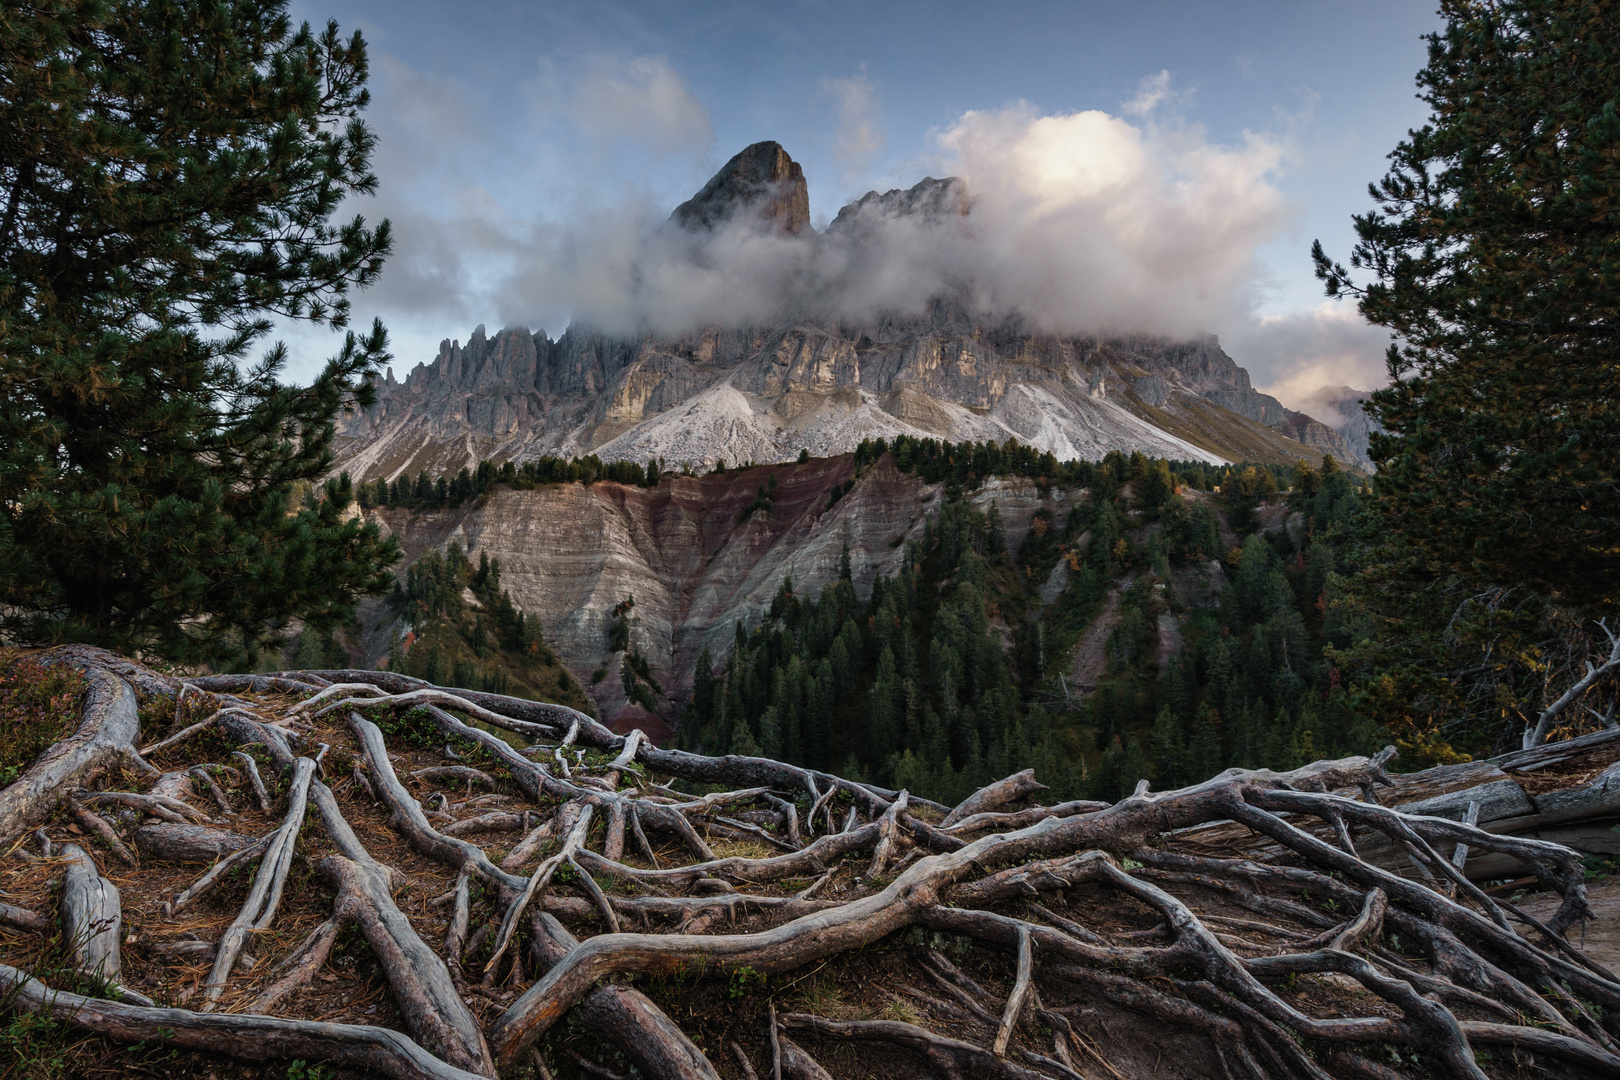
805, 380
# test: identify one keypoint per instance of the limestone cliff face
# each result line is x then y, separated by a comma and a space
762, 182
811, 381
570, 553
1350, 421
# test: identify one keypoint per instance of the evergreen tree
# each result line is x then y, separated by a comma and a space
1490, 256
1492, 252
169, 172
1204, 751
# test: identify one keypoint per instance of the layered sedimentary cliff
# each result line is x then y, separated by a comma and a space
807, 379
570, 554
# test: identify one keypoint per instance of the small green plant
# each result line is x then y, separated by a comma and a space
302, 1070
744, 980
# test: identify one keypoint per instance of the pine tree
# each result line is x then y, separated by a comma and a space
1167, 744
169, 174
1492, 251
1204, 752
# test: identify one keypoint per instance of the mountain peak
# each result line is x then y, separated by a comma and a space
762, 178
929, 200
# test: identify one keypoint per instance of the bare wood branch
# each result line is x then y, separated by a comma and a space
1020, 991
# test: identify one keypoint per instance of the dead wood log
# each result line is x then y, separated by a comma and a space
1015, 1001
185, 843
530, 844
624, 1016
797, 1064
98, 825
613, 840
407, 818
23, 919
1019, 819
498, 821
252, 768
197, 888
160, 806
995, 795
202, 772
536, 885
419, 979
888, 826
304, 962
458, 774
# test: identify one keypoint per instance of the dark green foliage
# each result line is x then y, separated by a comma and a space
169, 173
1492, 256
492, 647
1493, 252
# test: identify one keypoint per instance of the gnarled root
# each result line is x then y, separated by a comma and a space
259, 910
253, 1038
1195, 910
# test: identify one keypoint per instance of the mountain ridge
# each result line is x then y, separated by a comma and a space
808, 380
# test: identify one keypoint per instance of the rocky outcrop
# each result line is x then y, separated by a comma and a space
570, 554
811, 381
928, 202
762, 182
1343, 407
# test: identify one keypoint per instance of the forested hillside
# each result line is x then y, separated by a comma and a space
1208, 589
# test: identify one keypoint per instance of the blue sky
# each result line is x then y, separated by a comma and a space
516, 139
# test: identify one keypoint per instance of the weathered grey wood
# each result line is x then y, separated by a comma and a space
797, 1064
991, 796
419, 979
23, 919
187, 843
197, 888
1497, 800
1518, 759
1020, 991
106, 734
305, 961
92, 915
254, 778
454, 774
407, 816
624, 1016
950, 1056
499, 821
252, 1038
98, 825
263, 898
536, 885
1019, 819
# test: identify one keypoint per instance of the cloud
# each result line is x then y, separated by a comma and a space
1081, 223
1154, 92
857, 138
1293, 356
642, 99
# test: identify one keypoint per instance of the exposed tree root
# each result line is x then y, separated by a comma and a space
259, 910
1071, 909
104, 736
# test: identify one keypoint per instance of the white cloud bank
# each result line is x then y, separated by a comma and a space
1085, 223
